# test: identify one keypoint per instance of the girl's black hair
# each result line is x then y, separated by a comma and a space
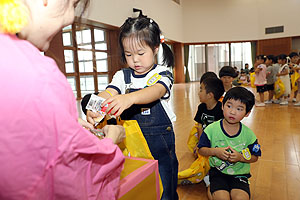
240, 94
273, 58
261, 57
144, 30
281, 57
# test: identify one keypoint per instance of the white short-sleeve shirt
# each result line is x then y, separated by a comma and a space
157, 75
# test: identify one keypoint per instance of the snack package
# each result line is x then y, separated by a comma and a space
94, 105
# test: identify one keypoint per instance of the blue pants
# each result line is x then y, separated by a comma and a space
161, 142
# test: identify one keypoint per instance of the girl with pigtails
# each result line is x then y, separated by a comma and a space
141, 92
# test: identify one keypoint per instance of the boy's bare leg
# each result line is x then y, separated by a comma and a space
237, 194
209, 196
221, 195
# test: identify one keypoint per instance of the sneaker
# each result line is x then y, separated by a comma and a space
260, 104
269, 101
297, 104
206, 180
294, 100
276, 101
284, 103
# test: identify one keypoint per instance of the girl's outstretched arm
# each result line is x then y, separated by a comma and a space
118, 103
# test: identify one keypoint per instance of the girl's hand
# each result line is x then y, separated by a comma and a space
91, 116
118, 103
114, 132
85, 124
234, 156
222, 153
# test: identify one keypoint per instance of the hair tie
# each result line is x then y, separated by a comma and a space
162, 39
13, 16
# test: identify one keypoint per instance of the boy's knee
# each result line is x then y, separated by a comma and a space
221, 195
237, 194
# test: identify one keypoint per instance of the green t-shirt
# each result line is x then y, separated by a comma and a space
219, 138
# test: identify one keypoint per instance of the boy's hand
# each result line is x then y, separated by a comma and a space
234, 156
118, 103
222, 153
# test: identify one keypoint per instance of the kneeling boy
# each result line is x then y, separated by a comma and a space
232, 146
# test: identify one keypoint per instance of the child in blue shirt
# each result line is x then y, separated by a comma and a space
232, 146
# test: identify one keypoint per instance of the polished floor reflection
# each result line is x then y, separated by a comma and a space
276, 175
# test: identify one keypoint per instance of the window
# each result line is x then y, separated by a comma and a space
241, 54
212, 57
218, 56
86, 58
196, 65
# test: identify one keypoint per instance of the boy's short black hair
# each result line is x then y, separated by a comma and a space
240, 94
208, 75
215, 86
227, 71
293, 54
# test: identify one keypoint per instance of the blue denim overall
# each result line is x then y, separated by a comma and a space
158, 132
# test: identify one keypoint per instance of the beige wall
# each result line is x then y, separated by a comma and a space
234, 20
206, 20
166, 13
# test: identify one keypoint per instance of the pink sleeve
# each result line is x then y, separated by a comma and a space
82, 166
45, 153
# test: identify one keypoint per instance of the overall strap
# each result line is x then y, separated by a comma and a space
127, 79
127, 75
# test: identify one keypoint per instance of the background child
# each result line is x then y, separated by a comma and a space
232, 146
260, 78
246, 70
243, 79
210, 109
227, 74
284, 76
45, 152
141, 92
272, 71
294, 68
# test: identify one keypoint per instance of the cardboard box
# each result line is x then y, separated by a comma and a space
140, 180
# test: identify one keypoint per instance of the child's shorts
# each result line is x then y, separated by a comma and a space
220, 181
270, 87
261, 88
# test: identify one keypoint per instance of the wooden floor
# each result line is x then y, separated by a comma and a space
276, 175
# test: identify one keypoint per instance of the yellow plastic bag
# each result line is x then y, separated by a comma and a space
294, 79
135, 144
252, 79
278, 88
193, 138
196, 172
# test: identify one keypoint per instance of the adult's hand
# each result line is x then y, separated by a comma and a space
85, 124
115, 132
91, 116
